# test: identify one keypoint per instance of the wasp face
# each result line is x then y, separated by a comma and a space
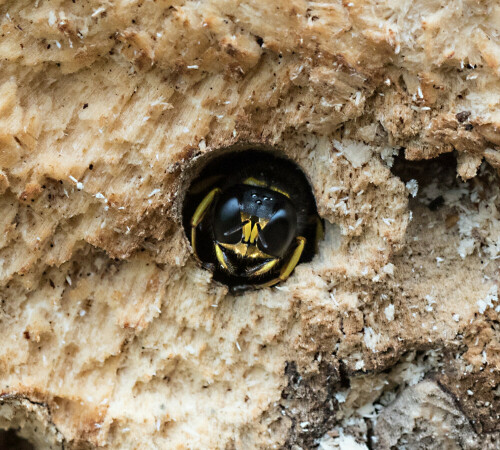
252, 218
253, 226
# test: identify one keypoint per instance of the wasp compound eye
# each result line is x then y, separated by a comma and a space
227, 224
278, 234
251, 217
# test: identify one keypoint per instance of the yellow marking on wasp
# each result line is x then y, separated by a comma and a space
247, 231
266, 267
246, 251
254, 234
203, 207
240, 248
254, 252
246, 248
220, 256
281, 191
254, 182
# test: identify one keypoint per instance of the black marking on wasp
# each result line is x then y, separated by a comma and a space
251, 218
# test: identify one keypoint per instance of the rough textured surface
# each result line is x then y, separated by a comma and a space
432, 422
111, 333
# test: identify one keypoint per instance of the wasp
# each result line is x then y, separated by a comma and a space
255, 221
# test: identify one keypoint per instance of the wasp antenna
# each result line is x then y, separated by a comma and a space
261, 236
236, 228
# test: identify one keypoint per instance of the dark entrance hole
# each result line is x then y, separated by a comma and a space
9, 440
442, 168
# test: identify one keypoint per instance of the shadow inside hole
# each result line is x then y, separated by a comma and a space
441, 170
9, 440
426, 171
232, 169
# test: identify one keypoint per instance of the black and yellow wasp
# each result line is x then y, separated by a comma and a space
252, 219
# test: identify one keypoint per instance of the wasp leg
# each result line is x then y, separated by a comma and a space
263, 268
251, 181
221, 257
199, 214
287, 269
